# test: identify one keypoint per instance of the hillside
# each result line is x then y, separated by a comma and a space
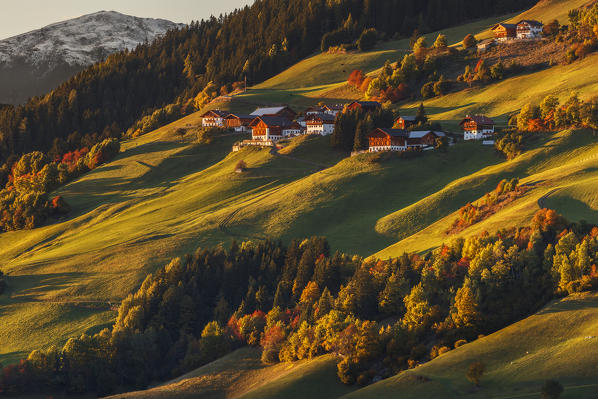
163, 196
241, 374
35, 62
558, 342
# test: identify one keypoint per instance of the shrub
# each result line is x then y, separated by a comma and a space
241, 166
367, 40
460, 343
551, 389
441, 41
427, 90
475, 372
442, 87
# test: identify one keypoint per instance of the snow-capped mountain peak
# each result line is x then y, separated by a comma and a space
81, 41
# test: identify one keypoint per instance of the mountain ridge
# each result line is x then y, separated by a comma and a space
34, 62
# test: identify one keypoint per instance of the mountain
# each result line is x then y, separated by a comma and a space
35, 62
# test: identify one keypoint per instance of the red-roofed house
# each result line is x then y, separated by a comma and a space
503, 32
322, 124
529, 29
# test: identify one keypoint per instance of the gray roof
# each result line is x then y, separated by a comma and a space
421, 133
267, 111
275, 121
408, 118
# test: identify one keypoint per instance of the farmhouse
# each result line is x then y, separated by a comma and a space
334, 109
529, 29
282, 111
214, 118
404, 122
504, 32
273, 128
401, 140
238, 122
367, 106
477, 127
322, 124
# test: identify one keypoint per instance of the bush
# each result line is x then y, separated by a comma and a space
551, 389
475, 372
460, 343
427, 90
442, 87
367, 40
441, 41
241, 166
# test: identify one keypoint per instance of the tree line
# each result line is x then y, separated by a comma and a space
301, 300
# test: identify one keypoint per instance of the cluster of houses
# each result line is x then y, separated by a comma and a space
272, 124
523, 30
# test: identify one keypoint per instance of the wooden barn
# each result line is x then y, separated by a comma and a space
401, 140
503, 32
367, 106
238, 122
404, 122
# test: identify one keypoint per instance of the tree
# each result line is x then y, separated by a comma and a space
421, 43
475, 373
469, 41
441, 41
551, 389
364, 127
441, 143
367, 40
465, 313
420, 116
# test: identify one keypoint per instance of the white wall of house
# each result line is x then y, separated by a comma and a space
323, 129
534, 32
212, 122
478, 134
382, 148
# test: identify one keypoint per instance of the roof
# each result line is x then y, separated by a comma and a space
217, 112
530, 22
408, 118
479, 119
321, 116
367, 104
507, 26
421, 133
273, 121
395, 132
240, 116
335, 107
268, 111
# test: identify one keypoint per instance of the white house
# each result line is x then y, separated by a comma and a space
477, 127
214, 118
322, 124
529, 29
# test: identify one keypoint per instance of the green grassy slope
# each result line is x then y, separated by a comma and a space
162, 197
559, 342
563, 168
241, 374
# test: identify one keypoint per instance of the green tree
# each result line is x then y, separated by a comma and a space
367, 40
421, 116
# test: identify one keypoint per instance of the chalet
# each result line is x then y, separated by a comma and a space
504, 32
367, 106
273, 128
477, 127
282, 111
401, 140
322, 124
404, 122
214, 118
238, 122
529, 29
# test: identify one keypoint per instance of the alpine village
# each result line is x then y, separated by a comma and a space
299, 199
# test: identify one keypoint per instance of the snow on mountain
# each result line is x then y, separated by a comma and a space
35, 62
81, 41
